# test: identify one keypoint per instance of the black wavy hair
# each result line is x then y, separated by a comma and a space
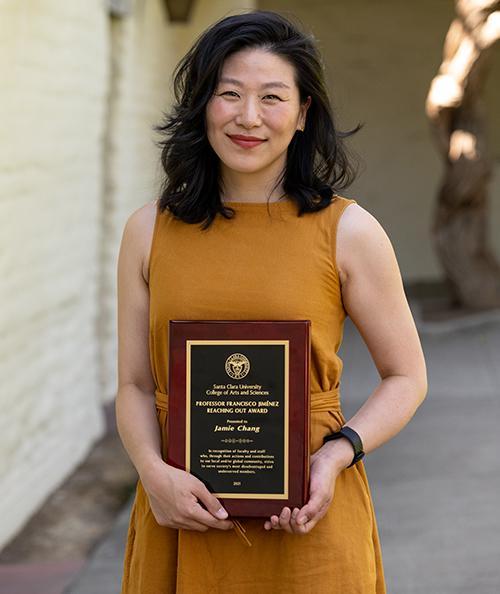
317, 165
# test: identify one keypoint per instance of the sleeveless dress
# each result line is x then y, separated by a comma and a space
261, 264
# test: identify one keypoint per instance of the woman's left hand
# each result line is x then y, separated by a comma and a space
326, 465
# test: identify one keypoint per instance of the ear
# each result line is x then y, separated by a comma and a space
303, 110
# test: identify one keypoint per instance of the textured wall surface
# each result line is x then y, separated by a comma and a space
80, 94
54, 65
380, 58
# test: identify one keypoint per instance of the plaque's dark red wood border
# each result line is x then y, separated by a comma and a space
298, 334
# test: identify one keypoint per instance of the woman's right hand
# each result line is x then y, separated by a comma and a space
175, 496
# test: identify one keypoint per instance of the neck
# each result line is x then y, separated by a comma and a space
249, 187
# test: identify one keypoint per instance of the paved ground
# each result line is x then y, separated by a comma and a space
102, 574
436, 485
54, 544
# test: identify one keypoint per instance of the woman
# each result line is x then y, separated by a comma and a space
252, 120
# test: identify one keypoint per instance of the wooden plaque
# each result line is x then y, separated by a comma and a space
239, 394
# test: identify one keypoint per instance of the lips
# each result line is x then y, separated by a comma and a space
246, 141
244, 137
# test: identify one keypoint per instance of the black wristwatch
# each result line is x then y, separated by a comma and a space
353, 438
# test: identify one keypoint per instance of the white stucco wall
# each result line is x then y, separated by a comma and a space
53, 67
380, 59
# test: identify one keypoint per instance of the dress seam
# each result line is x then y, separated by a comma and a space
333, 241
153, 238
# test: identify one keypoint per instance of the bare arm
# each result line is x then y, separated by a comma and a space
373, 296
135, 409
174, 495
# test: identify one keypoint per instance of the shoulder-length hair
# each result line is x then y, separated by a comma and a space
317, 165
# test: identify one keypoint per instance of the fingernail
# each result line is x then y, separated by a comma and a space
221, 514
301, 520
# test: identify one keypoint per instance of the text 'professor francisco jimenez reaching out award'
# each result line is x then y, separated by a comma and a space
239, 410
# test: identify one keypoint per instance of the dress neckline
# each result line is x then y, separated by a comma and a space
253, 204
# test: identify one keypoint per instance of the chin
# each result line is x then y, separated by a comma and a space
239, 168
245, 163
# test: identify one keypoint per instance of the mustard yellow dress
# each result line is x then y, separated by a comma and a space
259, 265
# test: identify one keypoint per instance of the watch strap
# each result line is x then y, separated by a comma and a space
354, 439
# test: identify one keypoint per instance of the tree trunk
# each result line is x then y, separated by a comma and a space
455, 110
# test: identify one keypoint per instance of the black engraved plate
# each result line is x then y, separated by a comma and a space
237, 411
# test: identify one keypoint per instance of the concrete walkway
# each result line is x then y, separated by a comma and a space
436, 486
103, 571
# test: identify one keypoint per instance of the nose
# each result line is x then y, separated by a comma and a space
248, 114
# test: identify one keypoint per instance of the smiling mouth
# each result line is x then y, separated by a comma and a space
246, 142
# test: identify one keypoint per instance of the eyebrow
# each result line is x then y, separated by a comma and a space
275, 83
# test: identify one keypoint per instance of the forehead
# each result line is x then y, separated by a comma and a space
259, 68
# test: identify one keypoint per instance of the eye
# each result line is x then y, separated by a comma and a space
234, 94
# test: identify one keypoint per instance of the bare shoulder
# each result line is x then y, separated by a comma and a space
138, 234
362, 243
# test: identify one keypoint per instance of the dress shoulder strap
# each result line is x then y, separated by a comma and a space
153, 239
339, 204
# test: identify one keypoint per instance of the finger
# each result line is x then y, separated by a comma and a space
296, 528
275, 523
308, 526
267, 525
311, 509
204, 517
211, 502
189, 524
284, 519
301, 528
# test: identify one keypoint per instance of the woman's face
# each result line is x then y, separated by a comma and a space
256, 96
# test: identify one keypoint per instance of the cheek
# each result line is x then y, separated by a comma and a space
280, 120
218, 113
